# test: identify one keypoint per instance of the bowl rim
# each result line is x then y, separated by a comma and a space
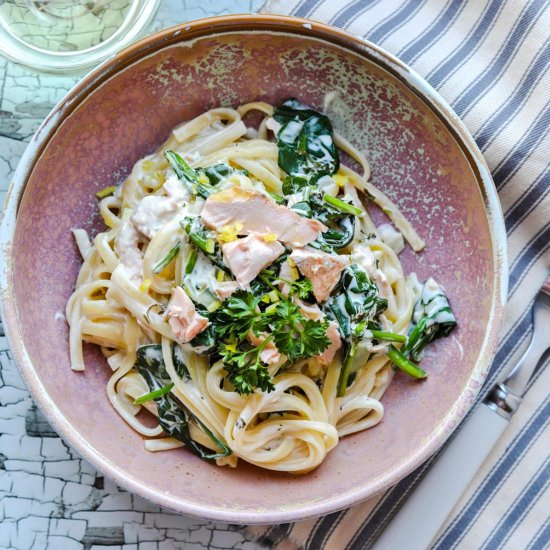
232, 24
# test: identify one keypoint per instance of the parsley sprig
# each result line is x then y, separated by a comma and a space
296, 336
239, 315
244, 367
302, 288
282, 323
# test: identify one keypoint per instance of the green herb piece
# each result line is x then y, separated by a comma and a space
199, 236
187, 175
106, 192
305, 141
167, 259
277, 198
173, 416
181, 168
204, 240
342, 205
153, 394
432, 318
210, 246
272, 297
388, 336
302, 287
343, 380
218, 172
294, 335
240, 315
402, 363
191, 261
216, 304
245, 369
294, 184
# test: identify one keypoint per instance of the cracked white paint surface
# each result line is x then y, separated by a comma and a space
51, 498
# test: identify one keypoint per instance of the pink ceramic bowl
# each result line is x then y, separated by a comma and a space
421, 155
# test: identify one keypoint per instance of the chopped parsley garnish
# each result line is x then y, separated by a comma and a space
282, 323
294, 335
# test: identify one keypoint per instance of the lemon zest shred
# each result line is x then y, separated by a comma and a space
214, 306
229, 233
144, 287
270, 309
340, 179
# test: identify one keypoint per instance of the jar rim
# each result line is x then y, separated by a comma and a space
18, 50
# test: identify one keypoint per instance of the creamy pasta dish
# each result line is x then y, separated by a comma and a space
242, 294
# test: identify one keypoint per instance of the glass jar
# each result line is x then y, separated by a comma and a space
70, 35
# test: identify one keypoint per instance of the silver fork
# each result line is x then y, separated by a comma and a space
419, 519
506, 396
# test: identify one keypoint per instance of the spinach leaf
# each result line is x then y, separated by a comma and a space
150, 364
432, 318
341, 225
218, 172
338, 235
173, 416
306, 153
205, 340
305, 142
294, 184
179, 363
354, 303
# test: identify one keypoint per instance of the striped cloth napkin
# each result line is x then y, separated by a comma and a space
489, 59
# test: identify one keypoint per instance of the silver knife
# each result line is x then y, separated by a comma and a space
419, 519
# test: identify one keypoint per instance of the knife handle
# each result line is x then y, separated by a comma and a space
424, 511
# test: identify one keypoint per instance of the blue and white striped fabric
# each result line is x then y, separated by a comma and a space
489, 59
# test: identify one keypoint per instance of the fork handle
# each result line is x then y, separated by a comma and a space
423, 513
